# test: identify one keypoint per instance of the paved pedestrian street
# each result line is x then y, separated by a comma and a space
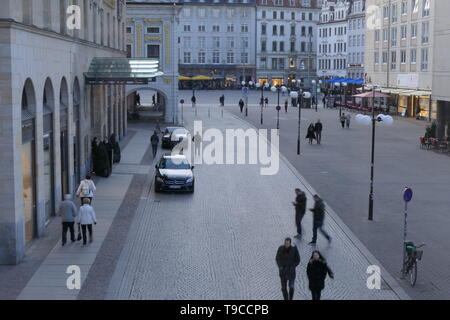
218, 243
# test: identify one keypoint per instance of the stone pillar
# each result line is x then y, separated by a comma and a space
97, 111
12, 228
442, 114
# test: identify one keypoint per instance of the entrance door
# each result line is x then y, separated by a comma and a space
29, 184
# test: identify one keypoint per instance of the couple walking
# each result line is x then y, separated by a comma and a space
85, 216
288, 259
345, 120
315, 132
318, 215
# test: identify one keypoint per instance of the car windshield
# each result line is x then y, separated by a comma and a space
170, 130
168, 163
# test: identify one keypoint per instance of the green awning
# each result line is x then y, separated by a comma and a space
122, 70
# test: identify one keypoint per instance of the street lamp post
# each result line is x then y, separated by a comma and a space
182, 113
314, 82
388, 120
344, 88
303, 95
245, 88
262, 86
278, 89
338, 85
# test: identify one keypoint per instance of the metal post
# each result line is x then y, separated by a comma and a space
246, 104
262, 101
372, 158
299, 121
182, 114
405, 231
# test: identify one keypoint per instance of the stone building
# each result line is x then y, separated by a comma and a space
333, 38
286, 33
152, 32
48, 114
217, 40
399, 54
356, 38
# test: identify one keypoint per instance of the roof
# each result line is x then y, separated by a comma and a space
124, 70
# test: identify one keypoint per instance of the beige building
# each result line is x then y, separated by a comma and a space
399, 53
48, 114
441, 67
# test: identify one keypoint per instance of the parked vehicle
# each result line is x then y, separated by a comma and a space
172, 136
174, 173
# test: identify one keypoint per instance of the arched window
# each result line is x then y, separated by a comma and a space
48, 108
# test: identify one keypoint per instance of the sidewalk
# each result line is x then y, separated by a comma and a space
49, 281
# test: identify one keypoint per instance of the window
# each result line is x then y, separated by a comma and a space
281, 30
202, 42
404, 8
281, 46
415, 6
403, 56
201, 28
216, 42
385, 12
424, 59
413, 56
230, 42
244, 42
274, 15
263, 63
244, 28
263, 46
187, 28
274, 30
292, 15
244, 57
377, 35
394, 36
187, 57
263, 29
216, 57
230, 28
201, 57
153, 30
129, 30
293, 30
425, 31
274, 46
426, 8
153, 51
376, 57
264, 14
274, 63
216, 28
403, 32
230, 57
292, 46
414, 30
129, 52
394, 13
385, 57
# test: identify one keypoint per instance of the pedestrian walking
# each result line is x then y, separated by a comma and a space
68, 213
300, 208
318, 130
348, 117
154, 140
197, 139
311, 133
318, 219
153, 100
138, 99
266, 100
86, 189
317, 271
222, 100
86, 218
193, 100
324, 100
287, 260
285, 106
343, 120
241, 105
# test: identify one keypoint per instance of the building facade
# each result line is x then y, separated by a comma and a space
48, 115
152, 32
399, 53
441, 68
356, 38
333, 38
286, 41
217, 40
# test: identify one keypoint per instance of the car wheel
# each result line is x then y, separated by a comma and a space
157, 188
192, 189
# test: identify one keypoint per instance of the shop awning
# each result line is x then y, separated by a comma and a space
122, 70
201, 77
421, 93
184, 78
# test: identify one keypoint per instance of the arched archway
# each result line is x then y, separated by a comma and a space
151, 106
64, 136
77, 138
48, 109
28, 156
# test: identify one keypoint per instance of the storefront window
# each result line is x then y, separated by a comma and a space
28, 190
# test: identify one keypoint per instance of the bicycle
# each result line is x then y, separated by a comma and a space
412, 255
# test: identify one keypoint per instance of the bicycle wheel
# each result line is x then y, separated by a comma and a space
413, 274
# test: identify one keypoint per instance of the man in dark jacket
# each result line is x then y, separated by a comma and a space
318, 219
287, 259
154, 141
318, 129
241, 105
300, 208
68, 212
222, 100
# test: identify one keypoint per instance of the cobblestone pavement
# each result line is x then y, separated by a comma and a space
339, 170
220, 242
